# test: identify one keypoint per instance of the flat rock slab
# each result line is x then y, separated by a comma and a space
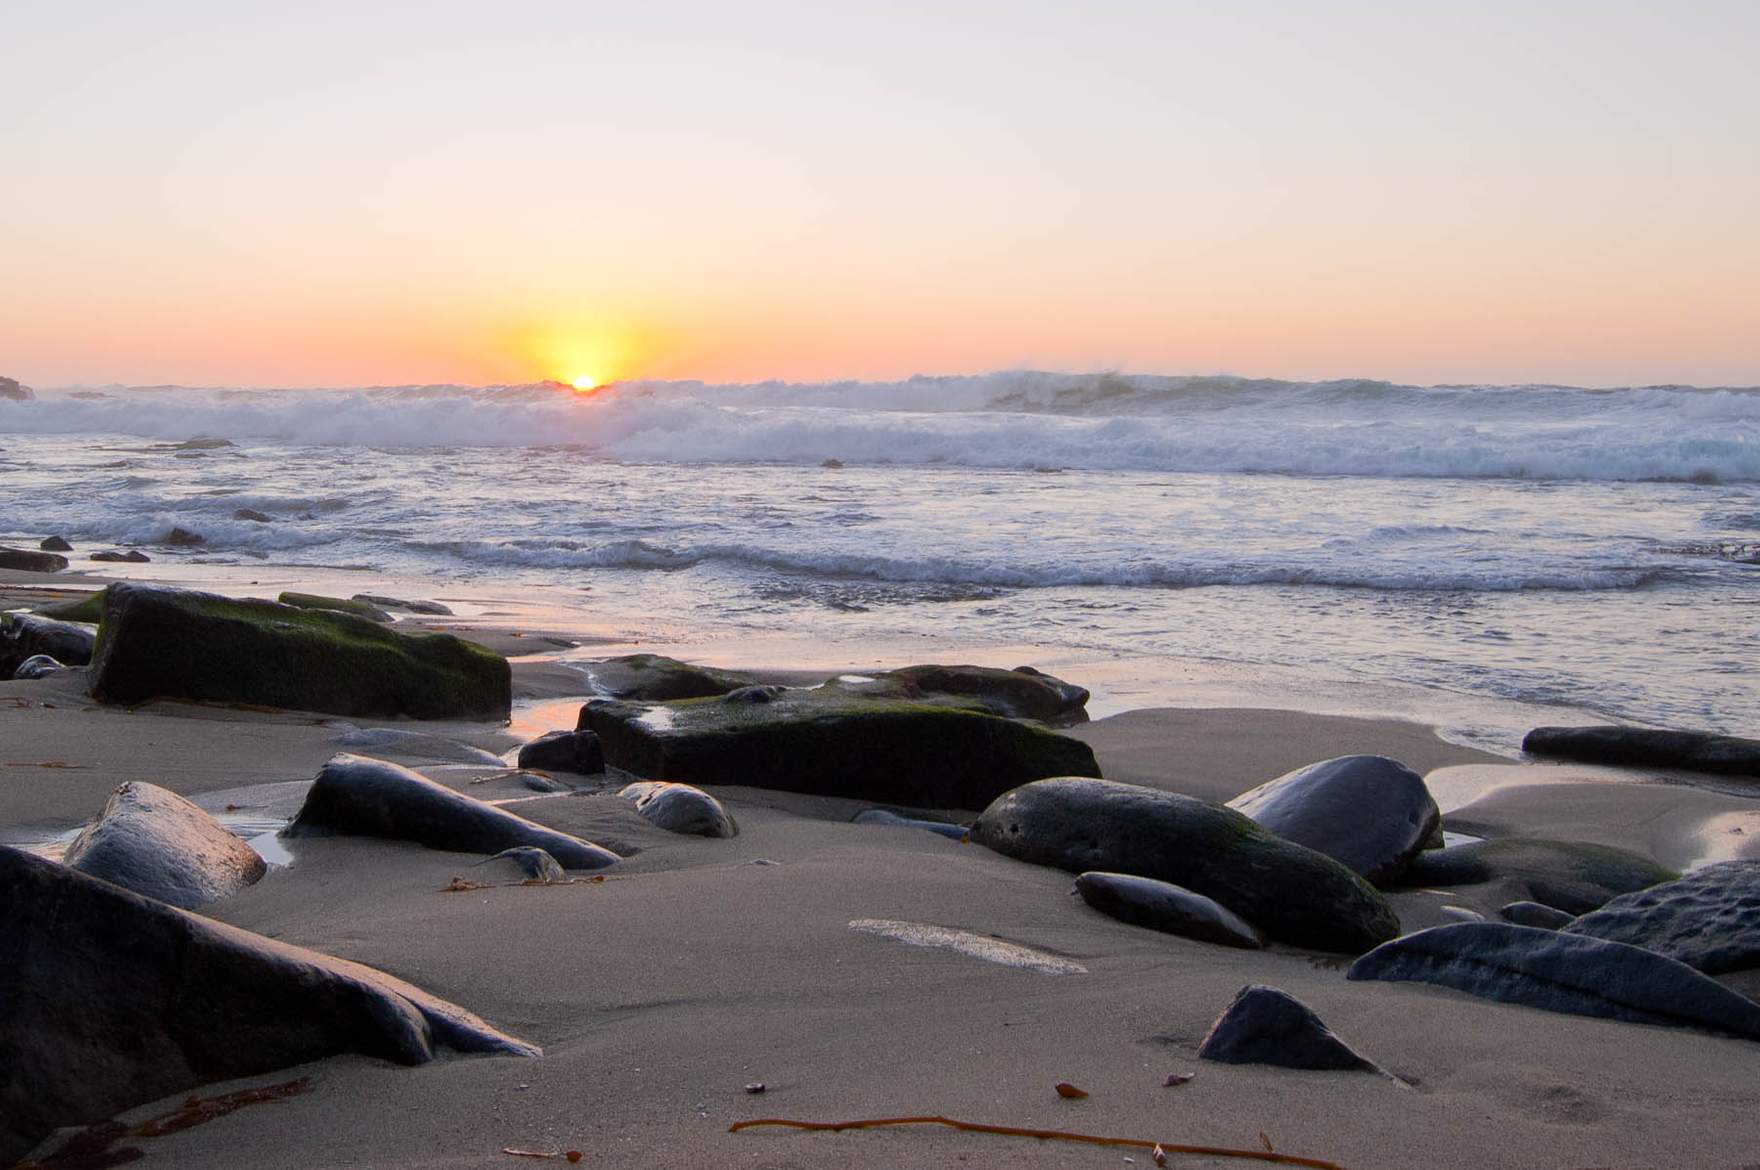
156, 843
31, 560
172, 643
1371, 813
1168, 908
830, 744
1709, 920
680, 808
359, 796
113, 999
1573, 876
1267, 1026
1643, 747
1022, 693
1559, 972
1291, 893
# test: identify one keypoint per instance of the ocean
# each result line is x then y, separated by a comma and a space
1596, 549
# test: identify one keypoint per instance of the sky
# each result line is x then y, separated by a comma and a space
217, 193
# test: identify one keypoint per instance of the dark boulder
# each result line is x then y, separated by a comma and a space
658, 678
1019, 694
133, 556
680, 808
881, 816
27, 635
564, 751
427, 607
113, 1000
55, 544
171, 643
1570, 875
1559, 972
184, 538
339, 604
11, 391
358, 796
37, 666
1709, 920
1168, 908
1292, 893
31, 561
251, 514
1643, 747
156, 843
526, 863
831, 744
1535, 914
1371, 813
1267, 1026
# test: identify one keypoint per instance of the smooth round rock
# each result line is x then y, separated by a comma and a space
1168, 908
1371, 813
154, 842
680, 808
1267, 1026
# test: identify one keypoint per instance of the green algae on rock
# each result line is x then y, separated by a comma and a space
364, 609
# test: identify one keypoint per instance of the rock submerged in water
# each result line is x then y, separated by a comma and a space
1709, 920
828, 743
184, 538
680, 808
1267, 1026
359, 796
1291, 893
11, 391
27, 635
31, 561
1168, 908
171, 643
339, 604
1560, 972
156, 843
1370, 813
564, 751
252, 515
1643, 747
1573, 876
114, 999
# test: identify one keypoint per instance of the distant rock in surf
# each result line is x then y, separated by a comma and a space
133, 556
184, 538
55, 544
1643, 747
11, 391
31, 560
252, 514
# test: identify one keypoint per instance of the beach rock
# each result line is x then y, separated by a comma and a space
133, 556
156, 843
564, 751
1709, 920
172, 643
24, 636
1559, 972
88, 609
881, 816
184, 538
545, 784
1166, 907
1267, 1026
679, 808
11, 391
1291, 893
31, 561
754, 694
530, 863
251, 514
833, 464
656, 677
1024, 693
1643, 747
55, 544
1371, 813
339, 604
413, 745
113, 999
1536, 915
1573, 876
359, 796
202, 443
37, 666
831, 744
427, 607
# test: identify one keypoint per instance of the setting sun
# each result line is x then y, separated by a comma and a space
585, 382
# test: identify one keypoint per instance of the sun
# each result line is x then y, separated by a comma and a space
585, 382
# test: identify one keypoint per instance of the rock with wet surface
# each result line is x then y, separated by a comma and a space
31, 560
56, 544
564, 751
133, 556
1709, 920
37, 666
359, 796
1644, 747
1267, 1026
114, 999
11, 391
1371, 813
1560, 972
882, 816
680, 808
184, 538
1291, 893
1535, 914
656, 677
1573, 876
154, 842
1168, 908
1023, 693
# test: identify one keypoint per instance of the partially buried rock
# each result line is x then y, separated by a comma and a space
656, 677
24, 636
55, 544
172, 643
133, 556
1369, 812
564, 751
679, 808
373, 798
340, 604
1023, 693
413, 745
156, 843
31, 561
37, 666
527, 863
1267, 1026
184, 538
1709, 920
1559, 972
1574, 876
1535, 914
251, 514
114, 999
881, 816
1168, 908
1643, 747
1292, 893
427, 607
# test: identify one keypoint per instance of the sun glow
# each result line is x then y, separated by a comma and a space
584, 383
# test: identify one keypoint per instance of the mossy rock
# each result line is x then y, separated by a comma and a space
89, 608
1023, 693
831, 744
1574, 876
157, 642
658, 678
364, 609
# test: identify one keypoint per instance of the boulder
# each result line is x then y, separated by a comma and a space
1168, 908
679, 808
1290, 892
1535, 914
359, 796
527, 863
113, 999
427, 607
1559, 972
564, 751
882, 816
656, 677
830, 744
170, 643
28, 635
133, 556
37, 666
88, 609
1573, 876
55, 544
387, 742
11, 391
1024, 693
1643, 747
184, 538
1267, 1026
1371, 813
31, 561
154, 842
340, 604
1709, 920
251, 514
